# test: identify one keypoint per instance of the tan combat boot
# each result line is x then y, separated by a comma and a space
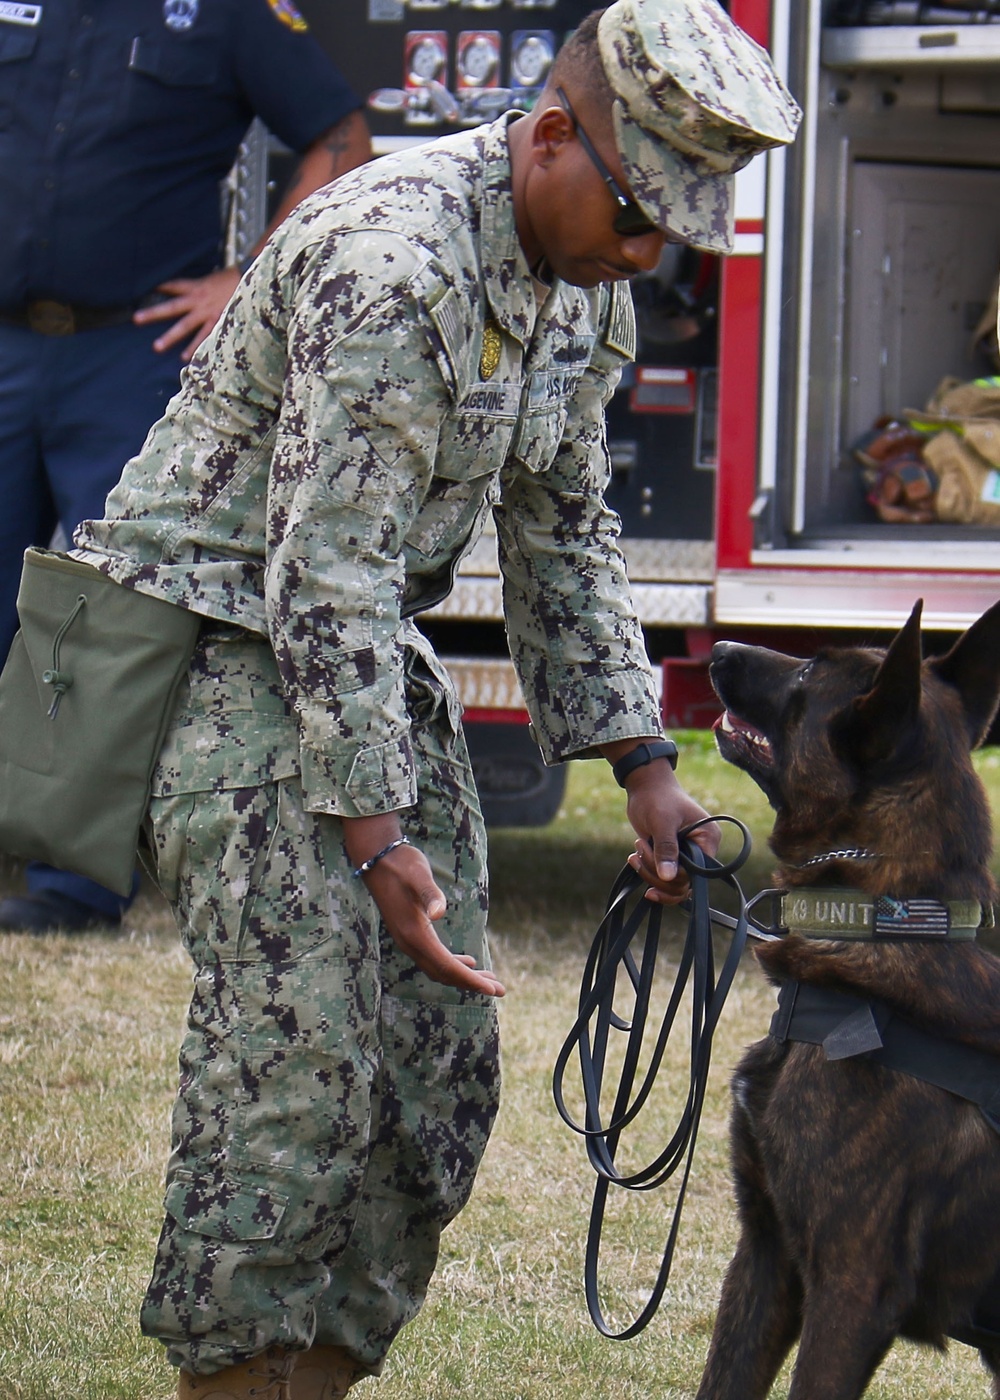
324, 1373
263, 1377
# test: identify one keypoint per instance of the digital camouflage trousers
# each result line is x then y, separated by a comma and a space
334, 1103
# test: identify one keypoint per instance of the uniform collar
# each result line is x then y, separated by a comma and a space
506, 275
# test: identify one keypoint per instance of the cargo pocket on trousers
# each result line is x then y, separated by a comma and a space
224, 1210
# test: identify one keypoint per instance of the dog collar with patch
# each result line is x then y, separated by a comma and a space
840, 912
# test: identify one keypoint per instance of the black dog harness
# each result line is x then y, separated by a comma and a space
848, 1026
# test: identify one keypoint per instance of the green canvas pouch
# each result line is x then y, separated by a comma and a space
85, 700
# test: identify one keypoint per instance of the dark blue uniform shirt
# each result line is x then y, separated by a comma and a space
119, 118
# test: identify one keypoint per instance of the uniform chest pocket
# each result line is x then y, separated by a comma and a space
16, 46
162, 70
546, 400
539, 438
472, 449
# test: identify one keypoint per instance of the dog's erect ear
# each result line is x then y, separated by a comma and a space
973, 668
875, 723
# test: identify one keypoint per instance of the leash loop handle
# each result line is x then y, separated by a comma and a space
622, 931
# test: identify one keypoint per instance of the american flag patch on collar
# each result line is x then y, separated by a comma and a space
911, 918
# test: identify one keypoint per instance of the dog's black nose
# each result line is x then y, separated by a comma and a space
722, 649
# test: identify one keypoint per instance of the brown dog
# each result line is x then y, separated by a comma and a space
869, 1199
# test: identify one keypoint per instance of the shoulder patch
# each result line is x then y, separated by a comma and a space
445, 313
619, 329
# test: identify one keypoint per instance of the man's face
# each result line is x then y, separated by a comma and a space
570, 210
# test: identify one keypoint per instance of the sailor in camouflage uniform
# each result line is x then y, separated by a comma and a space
431, 338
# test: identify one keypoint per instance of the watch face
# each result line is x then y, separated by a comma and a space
531, 58
426, 57
478, 59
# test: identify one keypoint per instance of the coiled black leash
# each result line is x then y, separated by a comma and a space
629, 921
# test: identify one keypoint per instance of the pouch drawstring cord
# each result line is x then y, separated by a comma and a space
60, 682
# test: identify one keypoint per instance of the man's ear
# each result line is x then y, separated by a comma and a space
552, 129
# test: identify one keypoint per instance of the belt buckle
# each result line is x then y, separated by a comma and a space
51, 318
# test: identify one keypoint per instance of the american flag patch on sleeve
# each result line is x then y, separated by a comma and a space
910, 918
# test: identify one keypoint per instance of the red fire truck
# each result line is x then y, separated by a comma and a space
865, 255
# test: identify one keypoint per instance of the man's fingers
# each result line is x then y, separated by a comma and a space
708, 837
487, 980
657, 896
177, 332
162, 311
422, 944
672, 889
666, 863
409, 901
657, 862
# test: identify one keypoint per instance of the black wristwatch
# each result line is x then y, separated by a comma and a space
643, 754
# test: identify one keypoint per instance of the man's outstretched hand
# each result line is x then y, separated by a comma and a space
410, 902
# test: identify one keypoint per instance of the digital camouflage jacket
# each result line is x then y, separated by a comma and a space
377, 384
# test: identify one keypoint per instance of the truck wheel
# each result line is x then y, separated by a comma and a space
515, 787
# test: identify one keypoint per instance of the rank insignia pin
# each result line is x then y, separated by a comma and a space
490, 357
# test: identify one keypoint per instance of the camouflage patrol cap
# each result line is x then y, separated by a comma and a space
696, 100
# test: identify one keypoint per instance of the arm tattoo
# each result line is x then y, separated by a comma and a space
337, 143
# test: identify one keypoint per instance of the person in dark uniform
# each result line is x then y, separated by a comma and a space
118, 121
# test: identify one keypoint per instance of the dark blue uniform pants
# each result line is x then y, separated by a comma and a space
73, 410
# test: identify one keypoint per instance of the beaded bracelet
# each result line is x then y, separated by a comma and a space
366, 865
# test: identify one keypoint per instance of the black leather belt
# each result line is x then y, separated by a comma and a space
64, 318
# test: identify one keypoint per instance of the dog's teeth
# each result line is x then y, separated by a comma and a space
727, 724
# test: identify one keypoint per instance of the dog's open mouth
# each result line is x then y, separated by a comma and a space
741, 743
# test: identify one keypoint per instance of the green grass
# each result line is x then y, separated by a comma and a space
88, 1038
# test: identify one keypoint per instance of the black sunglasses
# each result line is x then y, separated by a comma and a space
630, 221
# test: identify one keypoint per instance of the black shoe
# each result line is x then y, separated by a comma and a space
50, 912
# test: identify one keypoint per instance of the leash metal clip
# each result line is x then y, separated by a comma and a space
774, 930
